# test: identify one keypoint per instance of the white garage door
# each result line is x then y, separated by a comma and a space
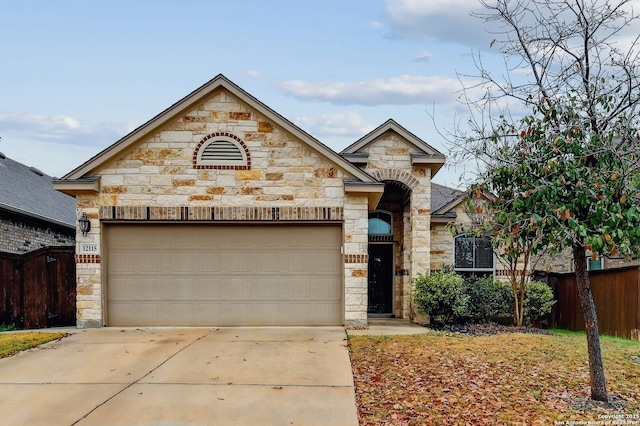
217, 275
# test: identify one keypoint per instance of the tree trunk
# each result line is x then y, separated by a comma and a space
596, 368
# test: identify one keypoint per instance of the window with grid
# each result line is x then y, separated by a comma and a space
473, 256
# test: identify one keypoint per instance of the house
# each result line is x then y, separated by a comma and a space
219, 211
32, 214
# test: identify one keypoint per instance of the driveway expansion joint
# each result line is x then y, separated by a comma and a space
143, 377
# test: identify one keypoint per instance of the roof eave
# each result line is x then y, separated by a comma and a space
357, 158
391, 124
450, 205
220, 81
443, 218
435, 162
148, 127
74, 187
36, 216
372, 190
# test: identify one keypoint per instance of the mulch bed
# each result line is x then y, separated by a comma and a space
488, 329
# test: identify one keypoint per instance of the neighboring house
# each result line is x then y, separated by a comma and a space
32, 214
219, 211
467, 255
563, 262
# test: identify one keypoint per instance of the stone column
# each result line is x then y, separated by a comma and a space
89, 294
356, 259
420, 229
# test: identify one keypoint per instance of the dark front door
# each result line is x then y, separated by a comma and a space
380, 279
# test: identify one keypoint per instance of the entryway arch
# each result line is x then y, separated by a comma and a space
389, 248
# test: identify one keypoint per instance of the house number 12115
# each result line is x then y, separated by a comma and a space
88, 248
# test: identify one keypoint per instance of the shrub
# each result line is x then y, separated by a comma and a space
7, 327
441, 296
538, 301
488, 299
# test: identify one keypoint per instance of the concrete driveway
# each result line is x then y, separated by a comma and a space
184, 376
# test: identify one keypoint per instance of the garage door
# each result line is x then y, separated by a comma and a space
206, 275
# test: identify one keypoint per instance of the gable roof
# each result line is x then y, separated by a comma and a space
29, 192
424, 153
443, 200
188, 102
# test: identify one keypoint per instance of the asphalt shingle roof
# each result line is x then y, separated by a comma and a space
28, 191
442, 195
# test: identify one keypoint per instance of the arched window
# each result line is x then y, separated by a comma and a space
473, 256
380, 223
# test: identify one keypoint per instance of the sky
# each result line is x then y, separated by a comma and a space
76, 76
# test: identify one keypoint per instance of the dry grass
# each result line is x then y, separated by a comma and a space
453, 379
12, 343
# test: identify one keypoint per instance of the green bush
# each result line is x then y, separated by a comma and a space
7, 327
449, 298
441, 296
538, 301
489, 299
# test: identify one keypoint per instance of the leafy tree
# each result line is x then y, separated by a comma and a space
516, 255
557, 135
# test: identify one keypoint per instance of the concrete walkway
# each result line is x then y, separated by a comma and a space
190, 376
389, 327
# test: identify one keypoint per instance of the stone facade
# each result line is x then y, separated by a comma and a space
389, 160
442, 236
21, 235
563, 262
157, 174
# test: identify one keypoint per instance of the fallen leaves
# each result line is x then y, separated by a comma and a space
450, 379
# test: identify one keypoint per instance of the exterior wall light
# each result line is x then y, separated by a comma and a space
85, 224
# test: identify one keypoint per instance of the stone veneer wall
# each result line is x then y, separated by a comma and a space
563, 262
442, 239
441, 246
159, 173
356, 243
390, 159
21, 236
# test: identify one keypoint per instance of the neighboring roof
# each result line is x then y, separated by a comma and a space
188, 102
424, 154
29, 192
443, 199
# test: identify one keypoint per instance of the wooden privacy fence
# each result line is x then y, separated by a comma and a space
38, 289
616, 293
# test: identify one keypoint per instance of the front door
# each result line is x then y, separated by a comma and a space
380, 279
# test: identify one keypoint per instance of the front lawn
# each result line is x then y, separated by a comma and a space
11, 343
446, 378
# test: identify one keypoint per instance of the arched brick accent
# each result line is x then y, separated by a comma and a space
210, 166
398, 175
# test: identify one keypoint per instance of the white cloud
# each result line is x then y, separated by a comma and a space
254, 73
346, 124
376, 25
421, 7
444, 20
424, 57
53, 158
401, 90
61, 129
51, 123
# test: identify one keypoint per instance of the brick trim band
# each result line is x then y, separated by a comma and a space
88, 258
356, 258
213, 214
